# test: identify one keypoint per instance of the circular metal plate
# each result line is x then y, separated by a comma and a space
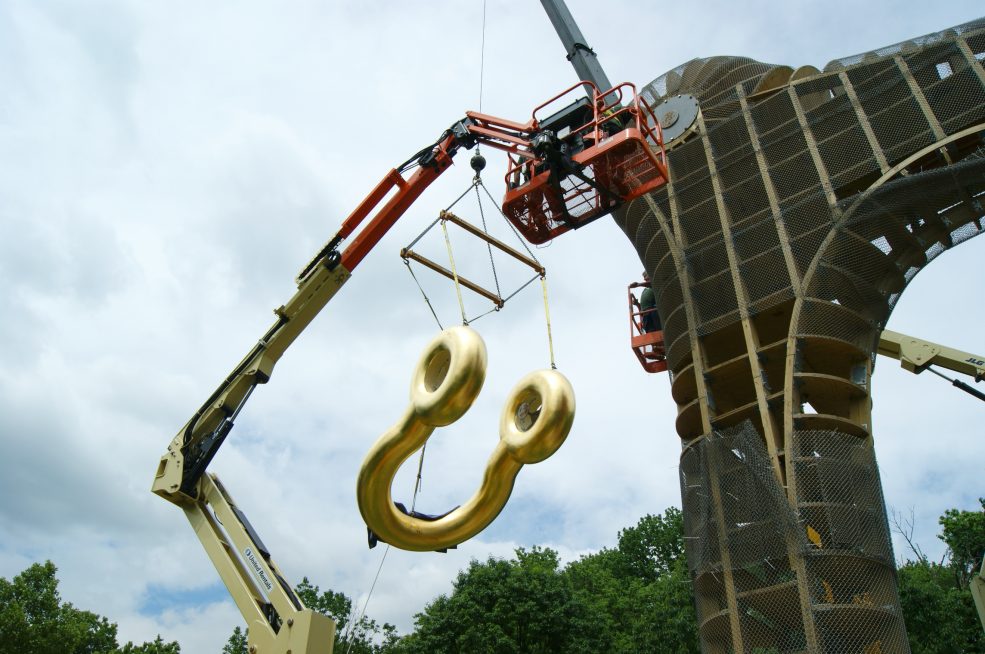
676, 115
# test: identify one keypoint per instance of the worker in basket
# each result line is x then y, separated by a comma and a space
648, 307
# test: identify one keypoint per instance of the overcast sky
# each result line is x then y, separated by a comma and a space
166, 169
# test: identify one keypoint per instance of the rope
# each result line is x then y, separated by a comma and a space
411, 271
482, 69
525, 284
454, 273
547, 315
426, 230
484, 314
435, 221
413, 505
419, 480
464, 193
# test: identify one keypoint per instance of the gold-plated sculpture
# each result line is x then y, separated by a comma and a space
534, 423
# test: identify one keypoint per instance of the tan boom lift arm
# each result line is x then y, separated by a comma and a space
277, 620
917, 355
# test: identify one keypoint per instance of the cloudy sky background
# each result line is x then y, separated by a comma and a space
166, 169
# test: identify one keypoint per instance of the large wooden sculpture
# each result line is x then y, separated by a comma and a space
800, 205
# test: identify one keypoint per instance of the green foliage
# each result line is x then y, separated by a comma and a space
157, 647
520, 605
636, 598
640, 592
236, 643
964, 533
940, 616
34, 620
358, 638
935, 598
654, 545
335, 605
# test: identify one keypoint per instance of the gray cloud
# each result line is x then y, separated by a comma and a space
165, 172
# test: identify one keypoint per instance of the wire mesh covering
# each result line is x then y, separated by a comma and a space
737, 527
750, 552
849, 569
799, 206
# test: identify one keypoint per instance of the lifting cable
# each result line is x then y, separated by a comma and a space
353, 627
476, 183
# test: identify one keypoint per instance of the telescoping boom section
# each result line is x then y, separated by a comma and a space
564, 171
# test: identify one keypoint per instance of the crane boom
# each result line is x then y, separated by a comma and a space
277, 620
917, 355
196, 443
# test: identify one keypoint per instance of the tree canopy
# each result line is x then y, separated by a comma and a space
937, 605
964, 534
634, 597
35, 620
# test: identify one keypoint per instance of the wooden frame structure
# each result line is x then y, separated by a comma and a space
799, 206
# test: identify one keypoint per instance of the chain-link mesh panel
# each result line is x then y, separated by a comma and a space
834, 122
740, 535
628, 218
899, 124
950, 83
850, 569
761, 264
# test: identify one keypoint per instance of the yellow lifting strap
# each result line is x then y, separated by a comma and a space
454, 273
547, 317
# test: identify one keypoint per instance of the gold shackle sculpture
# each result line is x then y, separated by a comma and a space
535, 421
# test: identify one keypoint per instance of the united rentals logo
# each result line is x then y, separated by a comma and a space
258, 570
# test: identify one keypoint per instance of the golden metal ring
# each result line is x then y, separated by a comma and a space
536, 419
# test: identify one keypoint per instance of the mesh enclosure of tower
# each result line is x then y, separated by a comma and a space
799, 206
825, 561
